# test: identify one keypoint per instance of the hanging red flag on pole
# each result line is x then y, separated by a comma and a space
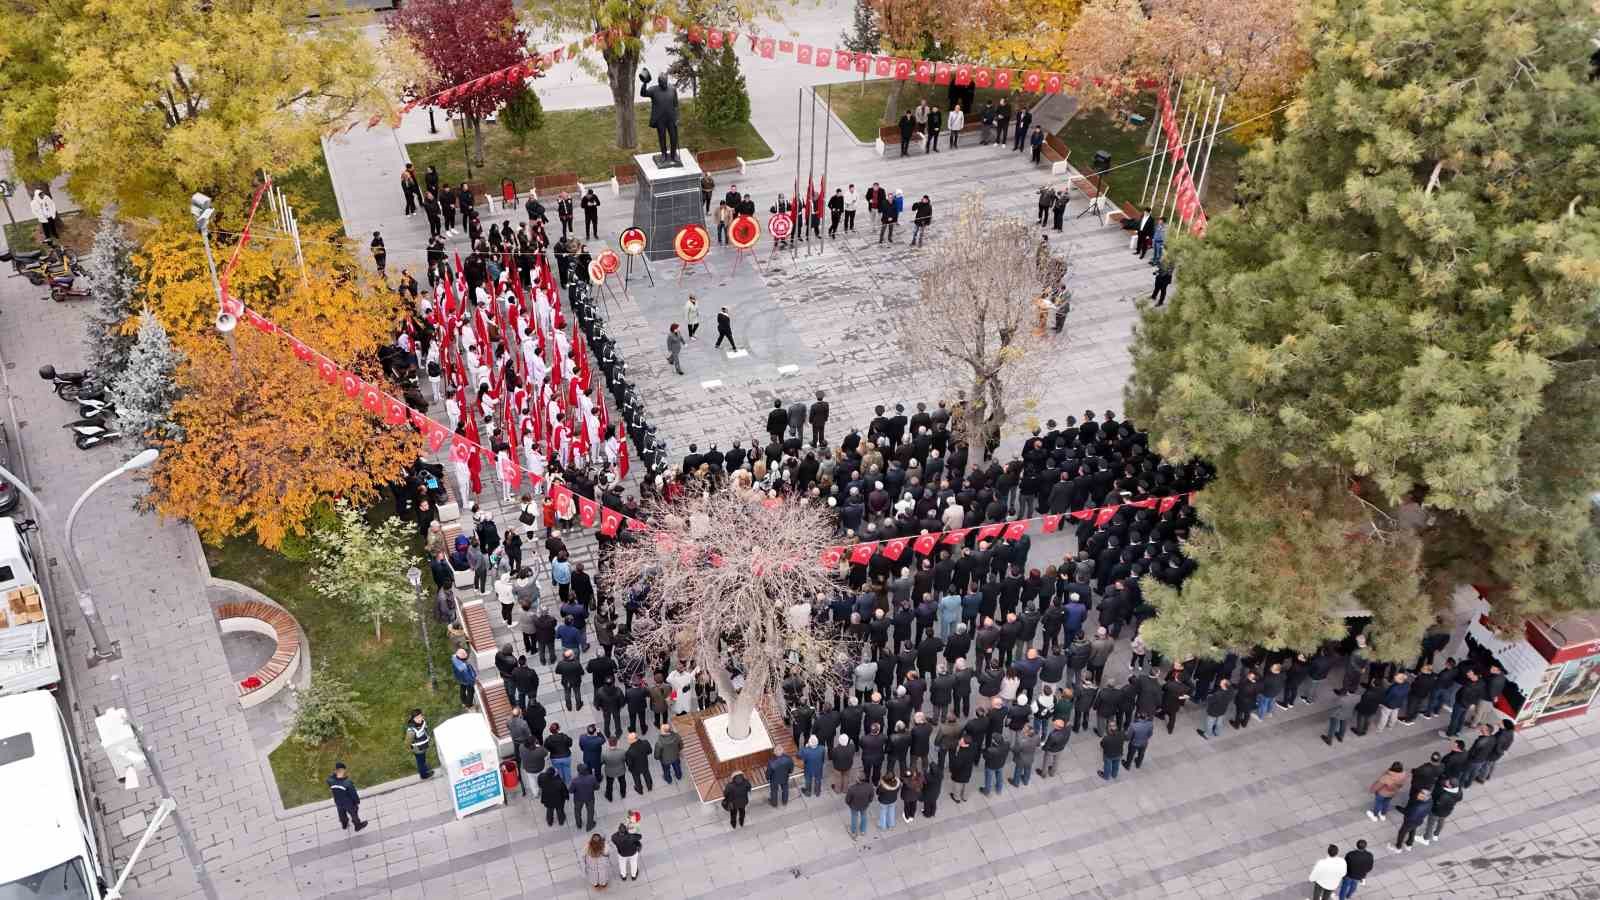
1051, 524
990, 531
610, 521
861, 554
1016, 530
956, 537
895, 548
588, 512
830, 557
925, 543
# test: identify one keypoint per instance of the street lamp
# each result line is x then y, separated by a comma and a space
104, 648
414, 575
200, 207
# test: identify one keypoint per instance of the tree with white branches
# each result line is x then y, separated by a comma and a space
976, 315
730, 581
112, 285
146, 390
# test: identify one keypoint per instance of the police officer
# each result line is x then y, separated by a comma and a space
345, 798
418, 740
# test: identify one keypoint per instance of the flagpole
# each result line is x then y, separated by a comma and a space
805, 226
799, 132
1173, 103
827, 132
1184, 136
1151, 163
1205, 164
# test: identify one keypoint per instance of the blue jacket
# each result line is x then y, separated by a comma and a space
950, 608
590, 746
970, 603
815, 760
463, 670
344, 792
1418, 810
1395, 696
561, 572
1076, 613
570, 637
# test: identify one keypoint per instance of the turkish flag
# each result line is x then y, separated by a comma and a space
301, 351
1016, 530
861, 554
802, 54
1104, 515
438, 435
662, 23
1002, 79
942, 73
1052, 83
957, 536
830, 557
863, 63
991, 531
1083, 515
882, 66
419, 420
963, 75
1051, 524
983, 77
768, 48
694, 34
895, 548
588, 512
1167, 503
924, 72
372, 399
261, 324
1148, 503
562, 495
714, 39
394, 411
902, 69
786, 46
924, 544
622, 453
824, 57
351, 384
327, 371
461, 449
1032, 81
610, 521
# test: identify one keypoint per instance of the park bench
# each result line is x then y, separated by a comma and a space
273, 622
719, 159
554, 183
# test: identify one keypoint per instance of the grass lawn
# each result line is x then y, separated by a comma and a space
390, 676
859, 105
310, 191
1092, 130
77, 231
573, 140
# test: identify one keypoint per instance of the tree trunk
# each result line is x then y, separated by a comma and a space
477, 139
622, 73
377, 630
741, 704
891, 105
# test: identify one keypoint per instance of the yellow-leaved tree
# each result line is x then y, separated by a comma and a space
1025, 34
264, 439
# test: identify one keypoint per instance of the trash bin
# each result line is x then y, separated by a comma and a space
510, 776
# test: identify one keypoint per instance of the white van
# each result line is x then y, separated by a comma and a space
49, 845
28, 659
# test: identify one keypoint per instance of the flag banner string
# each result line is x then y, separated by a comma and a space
903, 68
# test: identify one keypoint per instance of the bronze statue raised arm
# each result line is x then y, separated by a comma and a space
663, 115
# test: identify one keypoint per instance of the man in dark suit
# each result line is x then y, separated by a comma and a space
1147, 233
1024, 121
1002, 121
818, 417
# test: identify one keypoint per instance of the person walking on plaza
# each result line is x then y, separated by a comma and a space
888, 216
564, 213
1358, 865
921, 218
850, 201
627, 840
931, 145
1159, 295
736, 798
591, 214
725, 329
954, 122
597, 861
1384, 789
669, 753
1047, 199
858, 798
533, 758
418, 740
691, 315
1327, 874
466, 676
908, 127
1054, 742
1158, 242
1138, 742
380, 256
1036, 142
1445, 798
675, 344
1502, 743
707, 185
345, 797
1415, 815
408, 187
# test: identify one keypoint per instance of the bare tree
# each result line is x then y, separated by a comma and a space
731, 579
976, 314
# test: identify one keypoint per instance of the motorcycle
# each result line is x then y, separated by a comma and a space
92, 432
91, 408
61, 289
40, 266
70, 386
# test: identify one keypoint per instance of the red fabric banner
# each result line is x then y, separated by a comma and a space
830, 557
588, 512
956, 537
1051, 524
1017, 529
610, 521
861, 554
990, 531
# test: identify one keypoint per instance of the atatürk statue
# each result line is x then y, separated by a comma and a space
663, 115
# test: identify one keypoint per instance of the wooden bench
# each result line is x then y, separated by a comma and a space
718, 159
627, 173
699, 767
1055, 149
276, 623
555, 182
497, 709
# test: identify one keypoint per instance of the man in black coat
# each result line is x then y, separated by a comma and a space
818, 417
777, 421
907, 129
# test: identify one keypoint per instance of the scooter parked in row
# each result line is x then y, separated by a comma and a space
92, 432
72, 386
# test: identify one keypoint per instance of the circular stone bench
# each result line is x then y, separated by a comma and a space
273, 622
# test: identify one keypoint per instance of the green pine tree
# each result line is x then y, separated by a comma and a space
523, 116
723, 101
1389, 349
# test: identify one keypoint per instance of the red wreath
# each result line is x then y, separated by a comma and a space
610, 261
597, 272
745, 231
633, 241
780, 225
692, 243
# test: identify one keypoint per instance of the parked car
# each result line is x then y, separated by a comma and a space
8, 494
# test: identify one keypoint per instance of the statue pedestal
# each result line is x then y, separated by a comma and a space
668, 199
